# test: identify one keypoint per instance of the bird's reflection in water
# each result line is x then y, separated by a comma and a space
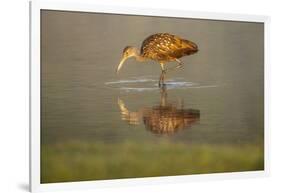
164, 118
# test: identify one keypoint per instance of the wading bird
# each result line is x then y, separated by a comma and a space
161, 47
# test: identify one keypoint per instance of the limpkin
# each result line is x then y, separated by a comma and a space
161, 47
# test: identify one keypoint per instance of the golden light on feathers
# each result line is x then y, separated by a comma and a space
160, 47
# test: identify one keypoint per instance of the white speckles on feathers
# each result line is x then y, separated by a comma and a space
166, 47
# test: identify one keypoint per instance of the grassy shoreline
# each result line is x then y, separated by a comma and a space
80, 161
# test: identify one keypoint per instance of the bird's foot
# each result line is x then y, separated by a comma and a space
161, 85
179, 66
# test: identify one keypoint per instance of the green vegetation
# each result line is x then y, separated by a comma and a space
78, 161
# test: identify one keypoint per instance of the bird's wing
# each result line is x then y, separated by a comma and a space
175, 47
167, 47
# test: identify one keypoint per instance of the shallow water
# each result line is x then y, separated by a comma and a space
92, 112
215, 99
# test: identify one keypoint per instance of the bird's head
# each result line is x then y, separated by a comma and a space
128, 52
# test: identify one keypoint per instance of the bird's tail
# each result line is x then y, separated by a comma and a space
191, 47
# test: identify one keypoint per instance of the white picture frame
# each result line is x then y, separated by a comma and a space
36, 6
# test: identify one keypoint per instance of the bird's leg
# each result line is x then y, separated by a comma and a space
163, 67
163, 72
180, 64
159, 82
161, 79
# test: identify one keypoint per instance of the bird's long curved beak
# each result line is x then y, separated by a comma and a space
120, 64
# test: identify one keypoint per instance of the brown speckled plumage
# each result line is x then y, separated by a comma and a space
164, 47
161, 47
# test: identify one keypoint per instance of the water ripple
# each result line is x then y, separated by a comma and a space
130, 81
140, 84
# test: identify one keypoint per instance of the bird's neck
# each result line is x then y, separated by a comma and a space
138, 56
